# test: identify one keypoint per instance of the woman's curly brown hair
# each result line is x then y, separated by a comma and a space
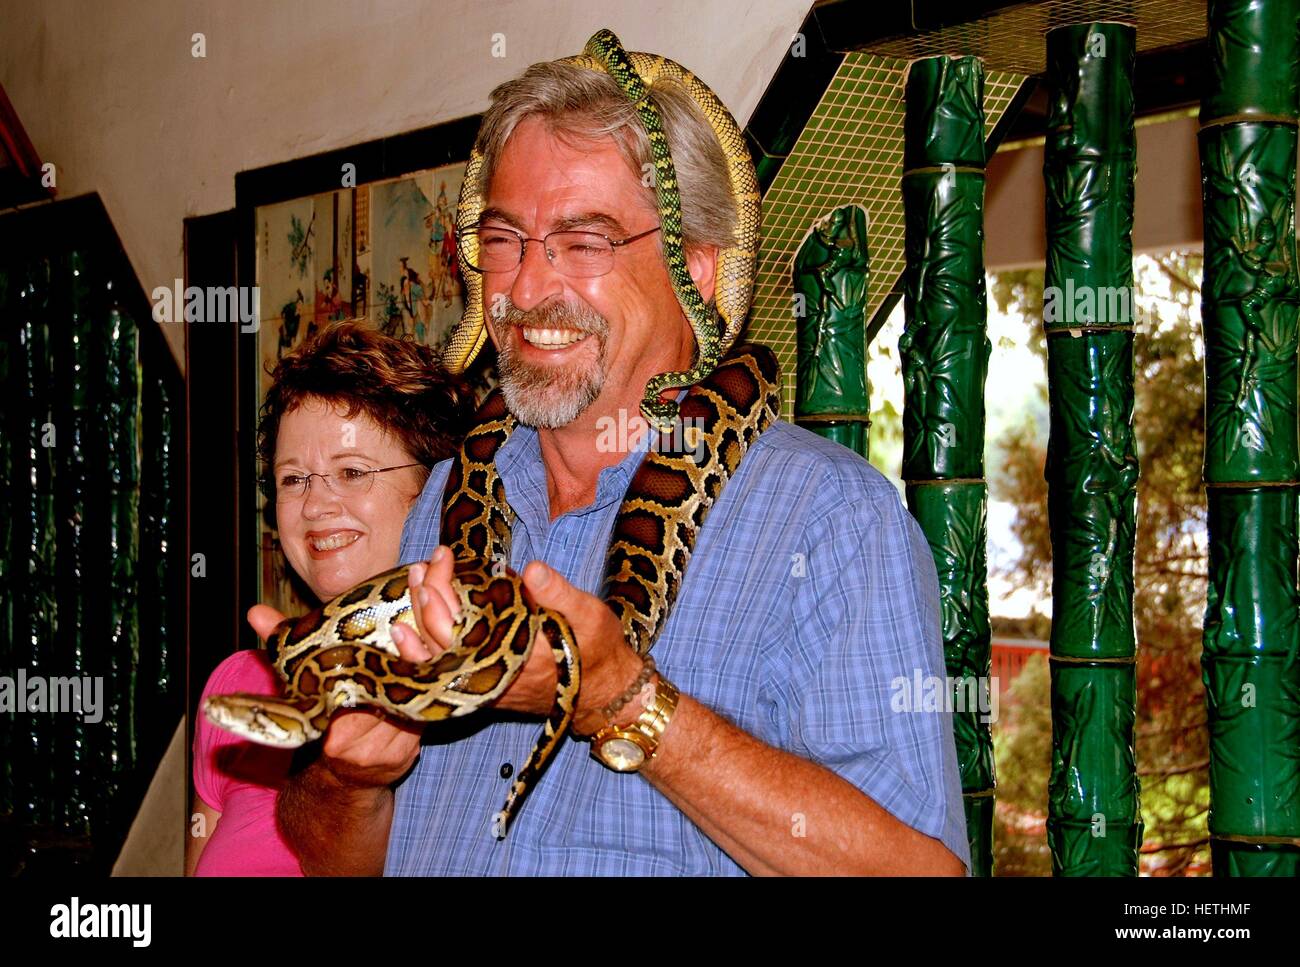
400, 385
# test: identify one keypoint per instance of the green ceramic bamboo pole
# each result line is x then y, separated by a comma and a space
1094, 825
1249, 306
830, 286
945, 352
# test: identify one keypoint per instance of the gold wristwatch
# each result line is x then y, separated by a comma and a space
626, 748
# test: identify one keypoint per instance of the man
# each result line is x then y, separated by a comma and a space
810, 593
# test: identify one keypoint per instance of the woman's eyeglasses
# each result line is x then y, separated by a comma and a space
348, 482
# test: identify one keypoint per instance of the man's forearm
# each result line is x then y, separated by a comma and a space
775, 813
335, 829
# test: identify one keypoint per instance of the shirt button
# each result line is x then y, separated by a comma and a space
507, 770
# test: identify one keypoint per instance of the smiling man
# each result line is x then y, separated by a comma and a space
811, 589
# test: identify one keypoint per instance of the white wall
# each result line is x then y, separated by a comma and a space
109, 91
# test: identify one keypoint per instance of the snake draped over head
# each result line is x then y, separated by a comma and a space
715, 327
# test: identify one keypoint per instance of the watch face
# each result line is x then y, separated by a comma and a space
622, 755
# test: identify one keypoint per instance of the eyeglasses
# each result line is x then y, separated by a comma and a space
579, 255
348, 482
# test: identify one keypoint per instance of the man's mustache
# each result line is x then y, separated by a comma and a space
556, 315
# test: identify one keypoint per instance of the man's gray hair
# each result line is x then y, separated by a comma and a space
578, 103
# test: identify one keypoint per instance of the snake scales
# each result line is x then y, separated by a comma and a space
342, 654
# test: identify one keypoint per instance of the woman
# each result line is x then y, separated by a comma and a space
349, 432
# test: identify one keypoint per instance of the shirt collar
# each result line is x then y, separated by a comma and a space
519, 463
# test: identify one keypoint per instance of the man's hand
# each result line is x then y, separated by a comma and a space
609, 665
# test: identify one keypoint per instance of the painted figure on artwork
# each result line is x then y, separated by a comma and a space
450, 287
443, 270
300, 241
328, 304
413, 302
291, 318
437, 267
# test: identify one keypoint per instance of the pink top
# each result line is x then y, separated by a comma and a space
240, 779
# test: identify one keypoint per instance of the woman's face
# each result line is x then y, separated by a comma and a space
334, 541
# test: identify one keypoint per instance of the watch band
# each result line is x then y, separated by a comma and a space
628, 748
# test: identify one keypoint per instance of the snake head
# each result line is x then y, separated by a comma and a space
262, 719
663, 414
660, 414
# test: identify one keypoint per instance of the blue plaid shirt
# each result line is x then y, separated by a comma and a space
810, 591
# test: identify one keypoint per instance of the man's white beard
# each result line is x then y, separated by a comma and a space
549, 397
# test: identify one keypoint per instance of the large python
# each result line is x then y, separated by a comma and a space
342, 655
